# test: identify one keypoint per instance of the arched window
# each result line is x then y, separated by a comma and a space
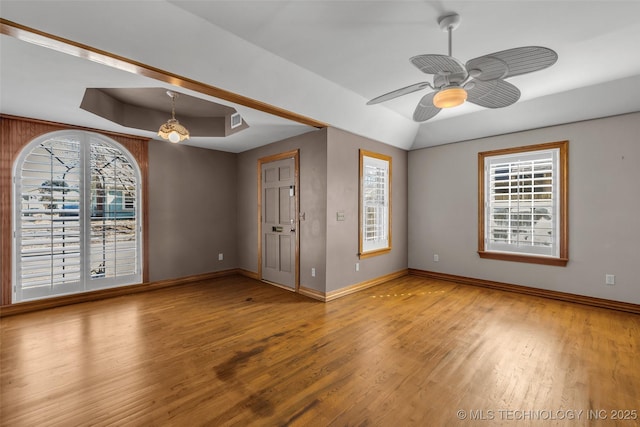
77, 216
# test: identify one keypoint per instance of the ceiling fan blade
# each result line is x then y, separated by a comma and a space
399, 92
492, 94
436, 64
425, 109
511, 62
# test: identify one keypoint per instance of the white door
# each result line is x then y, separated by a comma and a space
279, 222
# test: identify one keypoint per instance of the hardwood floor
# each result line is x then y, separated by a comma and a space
235, 351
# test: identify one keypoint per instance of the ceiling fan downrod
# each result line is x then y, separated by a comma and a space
449, 23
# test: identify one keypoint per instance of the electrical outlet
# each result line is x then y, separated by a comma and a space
313, 272
610, 279
436, 257
357, 266
220, 256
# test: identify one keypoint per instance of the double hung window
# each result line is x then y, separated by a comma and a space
375, 204
523, 204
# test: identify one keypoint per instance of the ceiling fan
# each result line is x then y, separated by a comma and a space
479, 81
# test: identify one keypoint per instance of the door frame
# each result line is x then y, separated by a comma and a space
295, 154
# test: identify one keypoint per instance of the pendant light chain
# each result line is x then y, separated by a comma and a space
173, 105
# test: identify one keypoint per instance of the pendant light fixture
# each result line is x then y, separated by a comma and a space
172, 129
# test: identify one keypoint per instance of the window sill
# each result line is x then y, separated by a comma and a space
532, 259
374, 253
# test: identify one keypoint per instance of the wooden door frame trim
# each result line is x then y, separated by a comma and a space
295, 154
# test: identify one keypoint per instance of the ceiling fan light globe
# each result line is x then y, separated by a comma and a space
450, 97
173, 131
174, 137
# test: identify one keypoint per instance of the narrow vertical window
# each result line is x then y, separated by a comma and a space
375, 204
77, 216
522, 204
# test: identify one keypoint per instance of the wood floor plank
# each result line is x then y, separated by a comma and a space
235, 352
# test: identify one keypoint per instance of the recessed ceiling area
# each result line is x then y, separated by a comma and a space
42, 83
148, 108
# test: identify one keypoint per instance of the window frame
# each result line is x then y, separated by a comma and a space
364, 252
83, 280
561, 173
17, 132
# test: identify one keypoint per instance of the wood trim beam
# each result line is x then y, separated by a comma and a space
50, 41
526, 290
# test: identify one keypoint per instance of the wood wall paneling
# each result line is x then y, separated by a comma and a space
16, 133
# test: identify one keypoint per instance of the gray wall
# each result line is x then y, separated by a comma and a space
329, 180
313, 199
604, 210
192, 210
343, 179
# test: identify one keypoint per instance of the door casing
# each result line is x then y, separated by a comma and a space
295, 154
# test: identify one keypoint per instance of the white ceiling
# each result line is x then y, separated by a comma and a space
325, 59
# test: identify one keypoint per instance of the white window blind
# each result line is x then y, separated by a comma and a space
49, 236
76, 222
375, 204
521, 203
113, 216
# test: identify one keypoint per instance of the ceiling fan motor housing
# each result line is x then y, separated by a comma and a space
448, 79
